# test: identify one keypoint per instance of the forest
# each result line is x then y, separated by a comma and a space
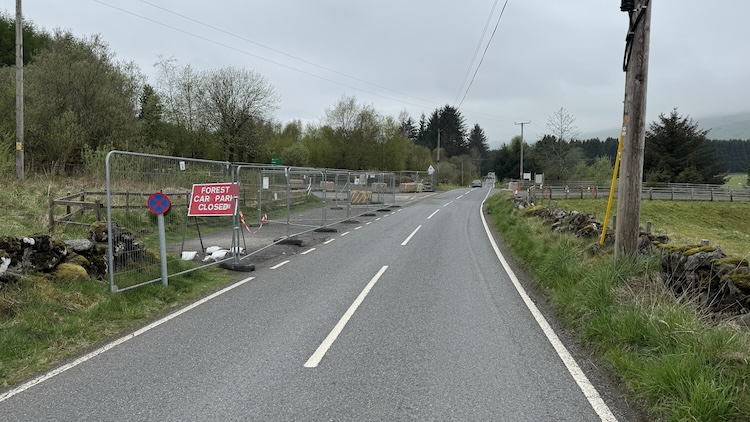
81, 102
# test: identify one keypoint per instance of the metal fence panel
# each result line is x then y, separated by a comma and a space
131, 230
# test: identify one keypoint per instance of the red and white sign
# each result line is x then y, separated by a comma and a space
213, 199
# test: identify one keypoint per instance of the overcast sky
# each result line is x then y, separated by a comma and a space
413, 55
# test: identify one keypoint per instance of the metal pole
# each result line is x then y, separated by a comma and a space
522, 124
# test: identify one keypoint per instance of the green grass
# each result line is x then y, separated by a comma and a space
677, 362
737, 180
43, 322
686, 222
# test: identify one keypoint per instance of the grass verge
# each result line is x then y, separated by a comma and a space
43, 323
678, 363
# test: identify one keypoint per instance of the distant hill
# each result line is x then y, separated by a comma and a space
722, 127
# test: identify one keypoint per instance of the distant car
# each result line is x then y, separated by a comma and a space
476, 183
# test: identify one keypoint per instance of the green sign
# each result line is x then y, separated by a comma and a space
276, 161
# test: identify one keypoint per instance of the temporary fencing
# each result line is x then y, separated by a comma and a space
221, 212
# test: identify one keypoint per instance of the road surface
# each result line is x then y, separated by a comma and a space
408, 315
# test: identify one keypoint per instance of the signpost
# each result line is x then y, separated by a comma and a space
159, 204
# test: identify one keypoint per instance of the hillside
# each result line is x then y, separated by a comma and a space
721, 127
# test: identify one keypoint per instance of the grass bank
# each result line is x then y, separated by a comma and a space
678, 363
686, 222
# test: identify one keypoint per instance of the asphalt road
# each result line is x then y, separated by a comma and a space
409, 315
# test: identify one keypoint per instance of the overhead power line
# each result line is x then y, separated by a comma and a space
502, 12
476, 50
487, 116
283, 53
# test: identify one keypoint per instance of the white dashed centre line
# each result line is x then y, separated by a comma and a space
433, 214
410, 236
344, 233
358, 227
448, 204
307, 251
316, 357
368, 223
328, 241
279, 265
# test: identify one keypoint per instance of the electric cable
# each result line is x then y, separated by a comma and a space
502, 12
476, 50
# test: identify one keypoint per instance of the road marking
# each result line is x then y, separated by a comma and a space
410, 236
358, 227
368, 223
459, 197
377, 219
431, 215
57, 371
344, 233
316, 357
279, 265
447, 204
399, 210
307, 251
328, 241
588, 389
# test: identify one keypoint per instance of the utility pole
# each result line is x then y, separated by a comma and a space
522, 124
19, 92
437, 170
635, 64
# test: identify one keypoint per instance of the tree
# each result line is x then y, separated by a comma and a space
234, 103
150, 118
562, 125
676, 151
506, 163
78, 98
556, 158
478, 148
34, 40
449, 124
408, 128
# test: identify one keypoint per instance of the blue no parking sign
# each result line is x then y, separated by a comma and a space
159, 203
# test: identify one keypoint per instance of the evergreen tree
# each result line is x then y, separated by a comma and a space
676, 151
34, 40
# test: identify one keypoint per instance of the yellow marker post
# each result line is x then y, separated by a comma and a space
614, 181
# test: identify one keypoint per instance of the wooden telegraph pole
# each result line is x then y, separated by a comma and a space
19, 92
627, 227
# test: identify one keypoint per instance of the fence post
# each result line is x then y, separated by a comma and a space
672, 197
648, 227
730, 195
651, 194
51, 213
98, 210
712, 194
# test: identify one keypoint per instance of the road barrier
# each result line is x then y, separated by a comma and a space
233, 203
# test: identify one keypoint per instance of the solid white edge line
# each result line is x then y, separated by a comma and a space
411, 235
307, 251
317, 356
280, 264
433, 214
328, 241
57, 371
588, 389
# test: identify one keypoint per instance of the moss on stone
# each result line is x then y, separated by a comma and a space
70, 272
699, 249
